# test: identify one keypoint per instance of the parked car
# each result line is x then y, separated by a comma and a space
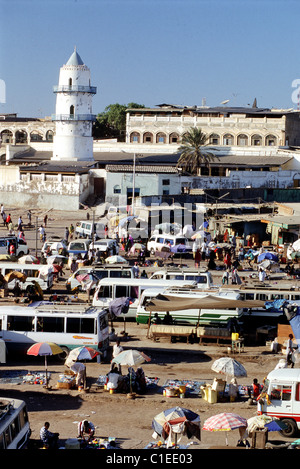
115, 210
56, 247
84, 229
103, 245
158, 242
79, 246
21, 247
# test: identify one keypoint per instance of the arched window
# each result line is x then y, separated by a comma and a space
228, 139
160, 137
36, 136
242, 140
134, 137
49, 136
21, 136
72, 110
214, 139
271, 141
256, 140
7, 136
147, 137
173, 138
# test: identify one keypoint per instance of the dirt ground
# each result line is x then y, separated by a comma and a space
115, 415
129, 420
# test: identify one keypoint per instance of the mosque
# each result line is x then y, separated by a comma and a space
55, 163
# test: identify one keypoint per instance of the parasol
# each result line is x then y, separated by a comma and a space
82, 353
115, 260
179, 421
28, 259
265, 421
55, 258
44, 349
272, 256
87, 281
131, 358
199, 235
225, 421
229, 366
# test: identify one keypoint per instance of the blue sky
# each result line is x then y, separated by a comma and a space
151, 51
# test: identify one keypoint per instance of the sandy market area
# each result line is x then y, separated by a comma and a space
115, 415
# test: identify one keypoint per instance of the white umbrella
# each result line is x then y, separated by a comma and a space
53, 259
115, 260
296, 245
131, 358
199, 235
27, 259
229, 367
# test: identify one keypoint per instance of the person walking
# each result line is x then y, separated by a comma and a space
71, 231
290, 351
67, 233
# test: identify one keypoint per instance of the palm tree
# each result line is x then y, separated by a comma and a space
192, 153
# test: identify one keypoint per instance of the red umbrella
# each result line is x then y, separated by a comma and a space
225, 421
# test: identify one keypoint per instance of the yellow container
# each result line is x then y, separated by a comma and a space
212, 396
182, 389
111, 391
235, 336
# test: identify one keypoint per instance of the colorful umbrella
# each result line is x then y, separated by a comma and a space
44, 349
177, 420
229, 366
225, 421
82, 353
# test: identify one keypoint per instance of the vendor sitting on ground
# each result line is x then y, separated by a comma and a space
86, 428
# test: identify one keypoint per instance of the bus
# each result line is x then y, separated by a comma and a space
68, 326
14, 424
266, 294
207, 316
109, 289
42, 274
102, 271
204, 279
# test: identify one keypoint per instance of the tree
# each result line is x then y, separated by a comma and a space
112, 122
192, 151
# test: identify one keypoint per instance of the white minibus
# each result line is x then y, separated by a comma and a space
68, 326
204, 279
108, 289
14, 424
42, 274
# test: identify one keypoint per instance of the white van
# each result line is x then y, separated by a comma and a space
84, 229
42, 274
21, 247
14, 424
157, 242
103, 271
109, 289
281, 398
103, 245
204, 279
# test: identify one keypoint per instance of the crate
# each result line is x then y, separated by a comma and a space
69, 385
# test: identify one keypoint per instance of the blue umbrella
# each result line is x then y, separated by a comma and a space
276, 426
188, 420
268, 255
180, 248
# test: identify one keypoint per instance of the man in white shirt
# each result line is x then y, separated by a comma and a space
117, 349
80, 371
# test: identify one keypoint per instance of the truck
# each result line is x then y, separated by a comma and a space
280, 398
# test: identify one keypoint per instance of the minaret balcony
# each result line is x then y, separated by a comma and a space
74, 89
73, 117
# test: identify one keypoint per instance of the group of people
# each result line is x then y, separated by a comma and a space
86, 431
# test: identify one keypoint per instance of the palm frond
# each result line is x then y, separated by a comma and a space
192, 151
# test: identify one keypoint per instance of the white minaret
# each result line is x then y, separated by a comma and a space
74, 119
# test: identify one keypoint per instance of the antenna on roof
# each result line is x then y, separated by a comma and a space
225, 102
